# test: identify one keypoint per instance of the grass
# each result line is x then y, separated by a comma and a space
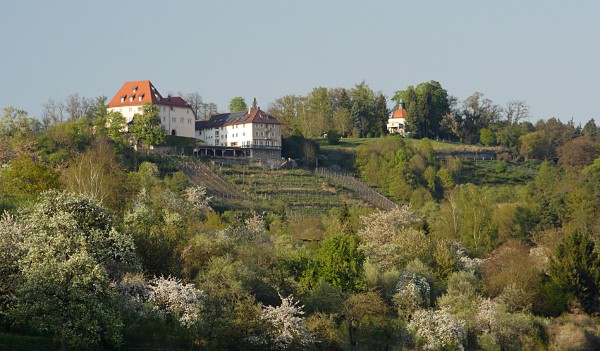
498, 172
348, 144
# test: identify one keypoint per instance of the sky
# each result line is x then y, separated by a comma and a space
544, 52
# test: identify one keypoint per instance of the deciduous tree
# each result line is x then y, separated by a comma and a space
390, 239
237, 104
146, 126
71, 252
516, 111
477, 112
426, 105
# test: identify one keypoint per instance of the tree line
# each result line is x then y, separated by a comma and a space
132, 251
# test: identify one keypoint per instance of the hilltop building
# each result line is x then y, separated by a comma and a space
397, 123
252, 133
176, 115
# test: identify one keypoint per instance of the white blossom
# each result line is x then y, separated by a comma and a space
465, 261
253, 230
196, 195
437, 329
389, 238
412, 292
287, 325
172, 297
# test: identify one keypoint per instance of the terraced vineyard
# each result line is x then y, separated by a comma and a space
364, 191
302, 192
222, 191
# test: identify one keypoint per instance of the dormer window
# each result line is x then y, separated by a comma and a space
140, 97
135, 90
123, 98
131, 98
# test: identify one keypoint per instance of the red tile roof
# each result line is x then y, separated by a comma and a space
130, 93
400, 113
256, 115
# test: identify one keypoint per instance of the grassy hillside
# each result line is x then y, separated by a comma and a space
348, 144
498, 172
343, 153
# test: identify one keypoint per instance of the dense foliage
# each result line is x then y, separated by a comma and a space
102, 247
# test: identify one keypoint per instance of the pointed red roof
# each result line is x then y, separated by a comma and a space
136, 93
140, 92
400, 113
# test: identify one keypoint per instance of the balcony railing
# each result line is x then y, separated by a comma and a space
256, 146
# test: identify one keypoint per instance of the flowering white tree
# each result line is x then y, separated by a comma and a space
196, 195
11, 234
253, 230
170, 296
389, 238
466, 262
501, 327
286, 327
68, 252
412, 292
437, 330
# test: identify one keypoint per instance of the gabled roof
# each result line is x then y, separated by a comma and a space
252, 115
140, 92
130, 93
399, 113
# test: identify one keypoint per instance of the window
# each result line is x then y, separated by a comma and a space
135, 89
256, 133
122, 98
164, 119
173, 119
131, 98
181, 120
140, 97
189, 121
130, 109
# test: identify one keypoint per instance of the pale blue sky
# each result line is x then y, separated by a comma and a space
544, 52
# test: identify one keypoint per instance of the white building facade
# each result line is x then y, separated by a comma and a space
397, 122
252, 133
176, 115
